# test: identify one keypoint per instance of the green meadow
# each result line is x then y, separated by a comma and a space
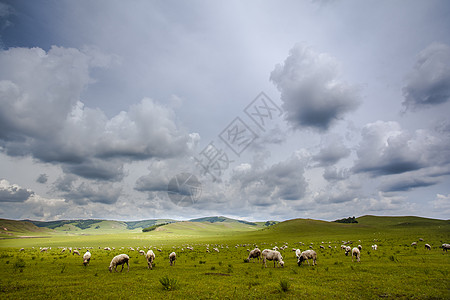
395, 270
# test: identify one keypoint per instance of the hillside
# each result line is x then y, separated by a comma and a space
13, 228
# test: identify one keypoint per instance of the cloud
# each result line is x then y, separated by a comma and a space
42, 178
407, 160
334, 174
267, 186
386, 149
332, 150
312, 91
442, 204
13, 192
429, 82
42, 116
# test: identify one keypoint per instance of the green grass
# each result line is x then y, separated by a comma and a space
396, 270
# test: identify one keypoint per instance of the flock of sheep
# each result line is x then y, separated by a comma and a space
266, 254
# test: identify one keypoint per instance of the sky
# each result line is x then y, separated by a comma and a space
255, 110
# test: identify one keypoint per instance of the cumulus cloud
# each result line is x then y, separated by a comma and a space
42, 116
407, 160
429, 82
312, 90
82, 192
442, 203
13, 192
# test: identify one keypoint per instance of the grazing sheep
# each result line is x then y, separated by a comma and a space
356, 253
141, 252
445, 247
322, 247
307, 255
216, 249
421, 239
347, 250
274, 255
86, 258
150, 256
118, 260
75, 251
413, 244
375, 247
44, 249
255, 253
427, 246
22, 249
63, 250
360, 247
172, 258
107, 249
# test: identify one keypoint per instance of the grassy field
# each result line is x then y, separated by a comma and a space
395, 270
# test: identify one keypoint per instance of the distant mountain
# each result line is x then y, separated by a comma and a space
221, 219
9, 228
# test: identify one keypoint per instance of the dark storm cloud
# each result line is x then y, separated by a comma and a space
312, 91
13, 193
429, 82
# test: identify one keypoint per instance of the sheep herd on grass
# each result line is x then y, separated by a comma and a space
265, 255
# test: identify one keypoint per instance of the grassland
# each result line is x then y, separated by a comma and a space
395, 270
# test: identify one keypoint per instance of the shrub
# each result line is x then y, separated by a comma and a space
168, 284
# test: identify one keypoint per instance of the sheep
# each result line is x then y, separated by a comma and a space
44, 249
307, 255
75, 251
322, 247
255, 253
445, 247
141, 252
118, 260
150, 256
107, 249
375, 247
63, 250
22, 249
347, 250
172, 258
86, 258
356, 253
360, 247
413, 244
427, 246
274, 255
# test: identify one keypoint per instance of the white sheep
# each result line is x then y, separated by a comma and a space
107, 249
413, 244
150, 256
141, 252
360, 247
172, 258
44, 249
427, 246
307, 255
356, 253
255, 253
274, 255
445, 247
118, 260
22, 249
86, 258
347, 250
75, 251
375, 247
